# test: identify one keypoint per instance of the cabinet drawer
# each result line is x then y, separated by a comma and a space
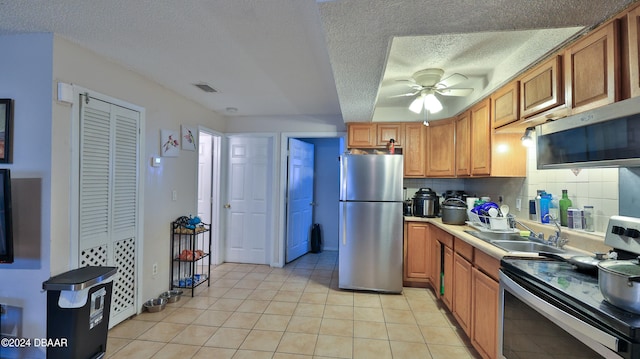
464, 249
487, 264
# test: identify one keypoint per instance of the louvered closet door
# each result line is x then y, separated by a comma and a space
109, 145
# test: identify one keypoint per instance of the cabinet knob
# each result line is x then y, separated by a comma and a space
228, 205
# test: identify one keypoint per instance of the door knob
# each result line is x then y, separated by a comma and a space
228, 205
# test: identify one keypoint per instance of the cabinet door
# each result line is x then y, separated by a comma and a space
505, 105
462, 269
541, 88
387, 131
592, 70
480, 139
361, 135
414, 150
417, 252
447, 298
463, 144
441, 148
484, 326
633, 28
436, 265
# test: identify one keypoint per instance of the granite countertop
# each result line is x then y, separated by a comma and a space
579, 242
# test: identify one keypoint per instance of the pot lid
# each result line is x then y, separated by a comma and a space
425, 192
454, 203
623, 267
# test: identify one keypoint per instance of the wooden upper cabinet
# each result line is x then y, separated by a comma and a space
481, 139
387, 131
414, 150
463, 144
633, 31
541, 88
505, 105
441, 148
592, 69
361, 135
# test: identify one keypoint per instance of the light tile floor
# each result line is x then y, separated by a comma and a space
254, 311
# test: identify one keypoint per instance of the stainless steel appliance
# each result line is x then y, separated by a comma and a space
426, 203
605, 136
371, 223
550, 309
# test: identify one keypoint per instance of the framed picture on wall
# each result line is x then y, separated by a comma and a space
169, 143
6, 119
189, 138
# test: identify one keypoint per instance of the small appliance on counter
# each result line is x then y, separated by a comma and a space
426, 203
454, 194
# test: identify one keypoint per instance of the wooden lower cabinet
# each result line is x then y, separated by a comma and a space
462, 270
484, 309
447, 297
417, 254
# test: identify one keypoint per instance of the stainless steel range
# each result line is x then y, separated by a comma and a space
551, 310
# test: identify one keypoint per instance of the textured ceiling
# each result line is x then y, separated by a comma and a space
302, 58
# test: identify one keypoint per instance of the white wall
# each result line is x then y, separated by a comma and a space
164, 110
286, 124
26, 64
32, 65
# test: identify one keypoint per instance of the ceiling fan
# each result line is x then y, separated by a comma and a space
428, 82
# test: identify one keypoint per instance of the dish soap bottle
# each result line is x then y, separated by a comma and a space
565, 203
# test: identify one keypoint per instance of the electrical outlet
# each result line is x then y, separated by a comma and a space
518, 204
155, 268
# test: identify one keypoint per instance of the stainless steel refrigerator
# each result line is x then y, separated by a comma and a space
371, 223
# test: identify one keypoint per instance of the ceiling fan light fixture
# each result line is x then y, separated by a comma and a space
432, 104
416, 104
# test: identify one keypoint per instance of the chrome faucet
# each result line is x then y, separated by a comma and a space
556, 239
533, 235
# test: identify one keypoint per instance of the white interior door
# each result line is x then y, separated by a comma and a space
299, 198
205, 157
248, 230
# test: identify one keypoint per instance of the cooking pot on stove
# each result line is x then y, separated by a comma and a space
454, 211
426, 203
619, 282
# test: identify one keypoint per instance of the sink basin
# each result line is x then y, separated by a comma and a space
526, 246
497, 236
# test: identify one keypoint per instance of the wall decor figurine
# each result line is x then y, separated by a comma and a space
169, 143
189, 138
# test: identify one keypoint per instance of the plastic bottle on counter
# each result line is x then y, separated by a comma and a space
545, 201
565, 203
554, 208
588, 218
538, 197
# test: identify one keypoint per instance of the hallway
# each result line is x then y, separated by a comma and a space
254, 311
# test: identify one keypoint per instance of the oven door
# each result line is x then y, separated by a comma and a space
532, 327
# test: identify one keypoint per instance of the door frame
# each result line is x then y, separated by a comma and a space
280, 247
74, 183
218, 143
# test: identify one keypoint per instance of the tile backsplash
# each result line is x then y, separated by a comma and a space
598, 187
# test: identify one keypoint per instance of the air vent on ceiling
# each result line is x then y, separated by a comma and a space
205, 87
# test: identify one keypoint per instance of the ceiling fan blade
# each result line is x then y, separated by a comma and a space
451, 80
455, 92
405, 94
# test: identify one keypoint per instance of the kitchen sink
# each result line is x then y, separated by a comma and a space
497, 236
513, 242
526, 246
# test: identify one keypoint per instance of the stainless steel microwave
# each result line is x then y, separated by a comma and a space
608, 136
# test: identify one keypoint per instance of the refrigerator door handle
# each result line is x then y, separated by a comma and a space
344, 226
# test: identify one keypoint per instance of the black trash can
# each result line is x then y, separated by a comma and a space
78, 307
